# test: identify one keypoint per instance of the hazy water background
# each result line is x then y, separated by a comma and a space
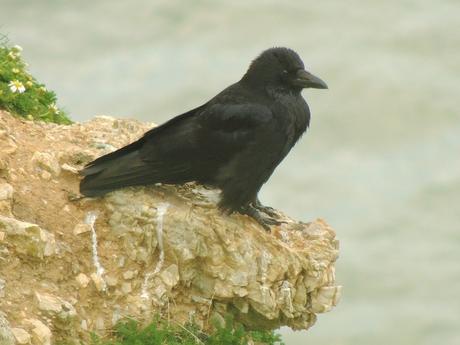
381, 161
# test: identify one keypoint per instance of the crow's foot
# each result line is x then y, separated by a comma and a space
256, 214
270, 211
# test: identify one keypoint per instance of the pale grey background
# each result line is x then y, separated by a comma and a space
380, 162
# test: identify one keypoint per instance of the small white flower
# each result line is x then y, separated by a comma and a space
16, 86
53, 107
17, 48
15, 70
12, 55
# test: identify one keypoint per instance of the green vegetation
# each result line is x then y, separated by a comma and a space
22, 94
161, 332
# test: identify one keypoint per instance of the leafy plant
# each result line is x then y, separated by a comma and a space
161, 332
22, 94
266, 337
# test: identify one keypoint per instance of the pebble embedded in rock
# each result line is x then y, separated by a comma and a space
8, 147
6, 334
82, 280
6, 191
21, 335
98, 281
128, 275
28, 239
48, 162
170, 276
81, 228
46, 175
48, 303
41, 334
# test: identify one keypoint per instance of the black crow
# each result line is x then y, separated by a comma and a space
233, 142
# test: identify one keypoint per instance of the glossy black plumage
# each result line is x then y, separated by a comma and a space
233, 142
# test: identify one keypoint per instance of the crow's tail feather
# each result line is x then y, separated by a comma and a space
106, 176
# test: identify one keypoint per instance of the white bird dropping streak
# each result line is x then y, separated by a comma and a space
91, 220
161, 211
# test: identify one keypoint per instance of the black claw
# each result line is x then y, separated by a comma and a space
255, 214
270, 211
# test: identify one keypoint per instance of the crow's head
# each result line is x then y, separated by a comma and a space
283, 68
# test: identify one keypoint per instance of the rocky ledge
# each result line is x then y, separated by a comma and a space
69, 267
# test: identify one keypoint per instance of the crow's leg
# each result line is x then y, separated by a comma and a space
255, 214
270, 211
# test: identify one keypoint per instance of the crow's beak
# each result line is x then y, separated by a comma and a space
305, 79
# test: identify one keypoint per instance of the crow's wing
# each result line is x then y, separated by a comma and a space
129, 166
104, 162
201, 147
